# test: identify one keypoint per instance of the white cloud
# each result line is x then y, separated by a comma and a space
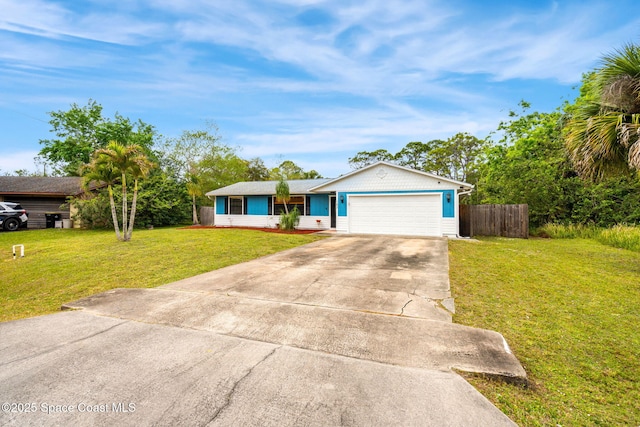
10, 162
50, 20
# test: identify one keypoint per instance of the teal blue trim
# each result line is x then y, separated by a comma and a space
319, 205
221, 205
341, 200
257, 205
448, 207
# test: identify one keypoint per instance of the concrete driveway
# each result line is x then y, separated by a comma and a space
345, 331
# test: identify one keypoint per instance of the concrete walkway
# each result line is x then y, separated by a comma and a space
345, 331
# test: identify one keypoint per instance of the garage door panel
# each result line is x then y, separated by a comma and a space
396, 214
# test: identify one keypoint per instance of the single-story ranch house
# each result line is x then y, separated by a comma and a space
40, 195
382, 198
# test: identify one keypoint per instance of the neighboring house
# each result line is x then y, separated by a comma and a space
382, 198
40, 195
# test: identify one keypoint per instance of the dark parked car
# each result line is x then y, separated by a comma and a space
12, 216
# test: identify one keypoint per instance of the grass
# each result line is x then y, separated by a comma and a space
571, 231
570, 310
64, 265
619, 236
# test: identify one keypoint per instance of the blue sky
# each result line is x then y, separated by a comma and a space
305, 80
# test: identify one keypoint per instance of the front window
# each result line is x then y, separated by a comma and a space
236, 205
294, 201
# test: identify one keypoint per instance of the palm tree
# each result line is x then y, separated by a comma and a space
139, 167
282, 193
114, 162
288, 220
101, 170
603, 134
194, 188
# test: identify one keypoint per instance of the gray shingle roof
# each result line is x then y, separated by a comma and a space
40, 185
261, 188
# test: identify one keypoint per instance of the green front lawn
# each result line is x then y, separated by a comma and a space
570, 310
64, 265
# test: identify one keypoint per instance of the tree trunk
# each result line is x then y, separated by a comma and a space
195, 210
114, 215
125, 222
132, 217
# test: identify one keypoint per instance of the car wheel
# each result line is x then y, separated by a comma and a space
11, 224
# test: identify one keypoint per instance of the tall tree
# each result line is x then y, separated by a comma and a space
413, 155
457, 158
203, 163
101, 170
135, 162
603, 131
290, 170
115, 163
529, 165
194, 189
80, 131
366, 158
256, 170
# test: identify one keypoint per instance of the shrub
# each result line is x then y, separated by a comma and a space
607, 203
291, 220
92, 211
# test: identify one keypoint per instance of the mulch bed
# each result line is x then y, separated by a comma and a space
266, 230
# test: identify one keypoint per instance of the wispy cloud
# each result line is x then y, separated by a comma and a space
303, 76
51, 20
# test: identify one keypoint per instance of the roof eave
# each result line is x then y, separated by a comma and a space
24, 193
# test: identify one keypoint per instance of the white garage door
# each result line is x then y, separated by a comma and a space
405, 214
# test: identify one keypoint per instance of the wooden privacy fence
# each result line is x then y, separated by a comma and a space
494, 220
206, 215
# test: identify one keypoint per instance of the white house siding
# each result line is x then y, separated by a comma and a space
270, 221
450, 226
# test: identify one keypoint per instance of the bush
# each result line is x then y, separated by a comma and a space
93, 211
607, 203
162, 201
291, 220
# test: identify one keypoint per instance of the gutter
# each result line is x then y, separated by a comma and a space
462, 193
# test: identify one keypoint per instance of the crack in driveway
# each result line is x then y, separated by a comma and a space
406, 304
229, 396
